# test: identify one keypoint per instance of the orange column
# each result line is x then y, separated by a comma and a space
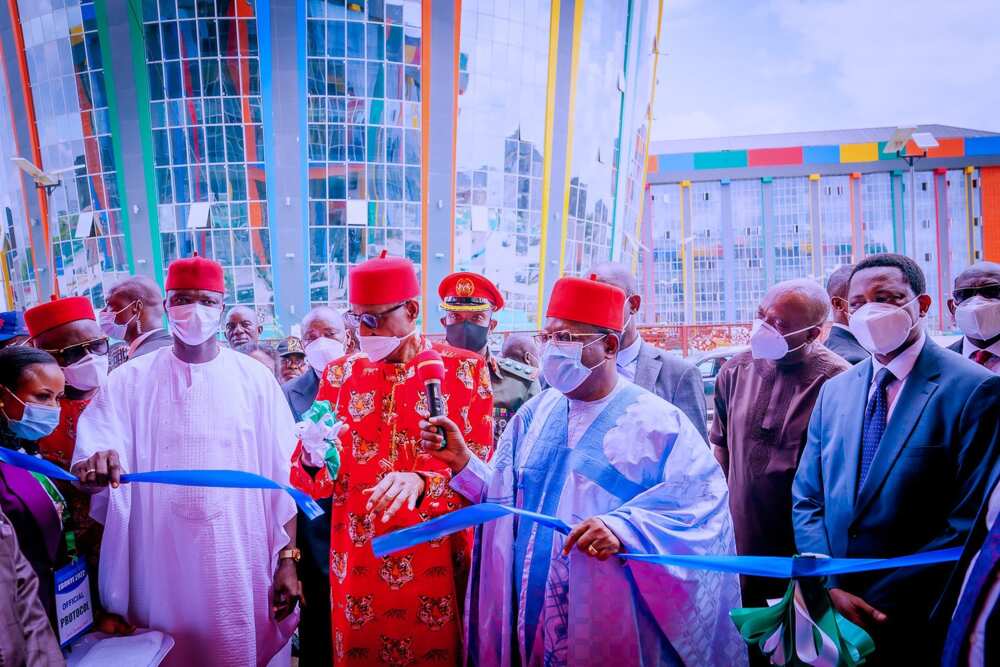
990, 188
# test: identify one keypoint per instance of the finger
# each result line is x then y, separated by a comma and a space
101, 468
870, 612
587, 540
387, 498
573, 536
397, 504
377, 490
445, 424
114, 469
430, 440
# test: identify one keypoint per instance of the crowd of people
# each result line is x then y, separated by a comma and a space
844, 431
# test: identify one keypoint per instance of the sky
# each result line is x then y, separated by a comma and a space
734, 67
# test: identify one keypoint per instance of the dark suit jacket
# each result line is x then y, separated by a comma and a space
922, 492
156, 340
949, 599
846, 345
957, 345
674, 380
301, 392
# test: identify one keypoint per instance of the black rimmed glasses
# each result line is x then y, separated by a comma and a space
71, 354
370, 320
990, 291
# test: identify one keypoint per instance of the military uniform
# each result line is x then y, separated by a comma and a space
471, 300
513, 384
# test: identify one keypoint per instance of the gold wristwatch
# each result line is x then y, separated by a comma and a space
293, 553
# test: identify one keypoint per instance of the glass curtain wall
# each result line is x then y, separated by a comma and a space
69, 90
17, 256
664, 296
501, 129
747, 230
835, 222
877, 226
706, 252
792, 233
203, 63
364, 141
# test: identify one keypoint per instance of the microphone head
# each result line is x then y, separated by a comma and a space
430, 366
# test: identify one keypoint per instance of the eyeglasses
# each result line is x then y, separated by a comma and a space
73, 353
543, 337
370, 320
991, 291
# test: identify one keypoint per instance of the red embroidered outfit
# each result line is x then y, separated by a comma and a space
405, 608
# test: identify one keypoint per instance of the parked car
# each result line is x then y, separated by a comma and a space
708, 364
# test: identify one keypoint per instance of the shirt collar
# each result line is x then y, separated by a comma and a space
629, 354
968, 349
903, 364
838, 325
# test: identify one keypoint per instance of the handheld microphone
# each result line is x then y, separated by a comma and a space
430, 371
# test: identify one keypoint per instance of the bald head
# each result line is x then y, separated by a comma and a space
138, 302
521, 348
980, 273
323, 322
837, 287
243, 327
619, 275
139, 288
804, 296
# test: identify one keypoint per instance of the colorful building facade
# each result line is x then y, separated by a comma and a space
725, 218
290, 139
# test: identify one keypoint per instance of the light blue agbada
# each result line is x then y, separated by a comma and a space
638, 463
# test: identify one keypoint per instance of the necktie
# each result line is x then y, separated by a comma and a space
982, 357
983, 573
876, 415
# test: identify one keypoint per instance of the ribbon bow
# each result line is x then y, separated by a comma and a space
318, 433
803, 628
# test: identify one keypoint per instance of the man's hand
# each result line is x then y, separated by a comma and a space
856, 610
456, 453
286, 591
593, 538
99, 470
395, 489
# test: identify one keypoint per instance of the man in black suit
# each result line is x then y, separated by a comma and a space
841, 340
970, 606
975, 305
896, 460
323, 340
134, 314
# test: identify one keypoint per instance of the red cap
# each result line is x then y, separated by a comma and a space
195, 273
589, 302
383, 280
57, 312
464, 291
430, 366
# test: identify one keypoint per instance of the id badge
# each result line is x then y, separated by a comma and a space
74, 611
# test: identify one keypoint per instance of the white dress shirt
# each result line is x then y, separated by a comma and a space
968, 349
900, 367
628, 359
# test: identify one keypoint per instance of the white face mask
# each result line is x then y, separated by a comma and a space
322, 351
109, 324
379, 347
562, 365
194, 323
766, 342
89, 373
882, 327
979, 317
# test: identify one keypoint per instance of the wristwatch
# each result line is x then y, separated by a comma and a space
293, 553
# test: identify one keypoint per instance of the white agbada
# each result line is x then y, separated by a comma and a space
194, 562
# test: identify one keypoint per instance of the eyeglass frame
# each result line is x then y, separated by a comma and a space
374, 321
975, 291
542, 338
60, 354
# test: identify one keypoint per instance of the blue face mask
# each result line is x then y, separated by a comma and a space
563, 367
37, 421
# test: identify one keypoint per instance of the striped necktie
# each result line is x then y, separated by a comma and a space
983, 574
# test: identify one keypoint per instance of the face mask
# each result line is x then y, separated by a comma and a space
562, 365
979, 318
766, 342
466, 335
37, 422
109, 324
88, 373
322, 351
882, 327
194, 323
379, 347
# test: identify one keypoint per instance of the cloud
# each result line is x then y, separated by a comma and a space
791, 65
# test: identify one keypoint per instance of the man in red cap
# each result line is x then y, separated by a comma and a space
214, 568
469, 301
631, 474
407, 607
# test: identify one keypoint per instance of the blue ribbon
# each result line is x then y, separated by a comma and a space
761, 566
225, 479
